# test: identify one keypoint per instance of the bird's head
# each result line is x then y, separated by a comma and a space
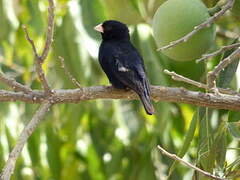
113, 30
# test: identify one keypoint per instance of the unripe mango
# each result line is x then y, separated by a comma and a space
176, 18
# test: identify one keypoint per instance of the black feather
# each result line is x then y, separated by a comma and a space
122, 63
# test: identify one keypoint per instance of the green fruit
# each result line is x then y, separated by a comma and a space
176, 18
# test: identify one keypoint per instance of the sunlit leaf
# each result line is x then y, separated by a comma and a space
228, 73
34, 151
234, 129
206, 158
187, 140
108, 139
220, 145
233, 116
53, 153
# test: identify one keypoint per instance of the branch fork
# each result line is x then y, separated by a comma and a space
39, 115
39, 59
212, 75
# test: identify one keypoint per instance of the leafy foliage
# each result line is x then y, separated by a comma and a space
109, 139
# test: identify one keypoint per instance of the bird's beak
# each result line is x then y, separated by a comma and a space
99, 28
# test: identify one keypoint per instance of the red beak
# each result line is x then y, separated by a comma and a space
99, 28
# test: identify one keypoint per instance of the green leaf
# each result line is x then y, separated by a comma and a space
226, 76
206, 159
36, 21
94, 164
8, 20
233, 116
220, 145
53, 152
234, 129
232, 170
187, 141
33, 146
92, 14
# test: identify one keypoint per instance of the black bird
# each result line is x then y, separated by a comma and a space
122, 63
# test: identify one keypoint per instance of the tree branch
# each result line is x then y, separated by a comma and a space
47, 101
181, 78
221, 50
50, 31
175, 157
38, 62
42, 78
25, 134
40, 59
178, 77
47, 98
30, 41
14, 84
205, 24
212, 75
159, 93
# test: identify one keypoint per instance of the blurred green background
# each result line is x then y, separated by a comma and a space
110, 139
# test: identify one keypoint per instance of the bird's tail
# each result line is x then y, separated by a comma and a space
146, 100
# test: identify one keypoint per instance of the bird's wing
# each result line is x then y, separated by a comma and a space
129, 69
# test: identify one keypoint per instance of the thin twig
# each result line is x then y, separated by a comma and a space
14, 84
68, 74
175, 157
25, 134
38, 62
30, 41
178, 77
205, 24
50, 31
221, 50
40, 59
42, 78
212, 75
181, 78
